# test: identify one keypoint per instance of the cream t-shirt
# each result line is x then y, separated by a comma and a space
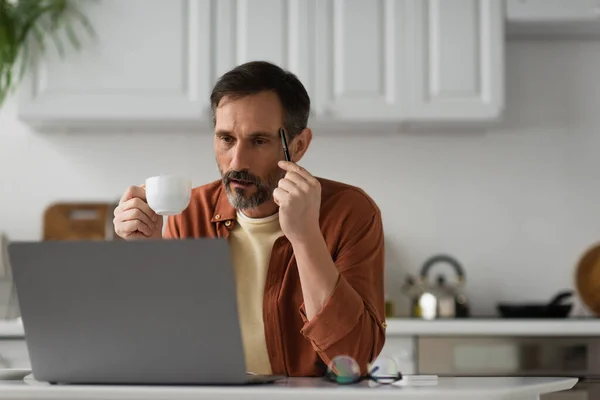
251, 242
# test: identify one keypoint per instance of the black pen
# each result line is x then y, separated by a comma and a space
285, 145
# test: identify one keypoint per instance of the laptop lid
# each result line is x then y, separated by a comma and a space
153, 311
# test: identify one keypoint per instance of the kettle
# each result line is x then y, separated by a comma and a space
439, 300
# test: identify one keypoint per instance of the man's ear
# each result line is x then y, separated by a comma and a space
300, 144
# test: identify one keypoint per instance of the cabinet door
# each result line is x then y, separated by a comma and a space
401, 349
359, 59
455, 54
266, 30
150, 62
14, 354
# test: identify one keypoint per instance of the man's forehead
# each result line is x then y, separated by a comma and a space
260, 108
246, 120
241, 126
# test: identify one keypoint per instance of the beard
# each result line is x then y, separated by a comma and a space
239, 198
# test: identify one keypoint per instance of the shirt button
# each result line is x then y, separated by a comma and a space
384, 324
227, 223
217, 216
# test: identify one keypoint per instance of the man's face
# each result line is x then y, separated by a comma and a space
248, 147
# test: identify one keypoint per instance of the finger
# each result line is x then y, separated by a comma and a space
142, 206
136, 214
298, 180
288, 186
127, 229
133, 192
280, 196
130, 227
135, 235
293, 167
287, 165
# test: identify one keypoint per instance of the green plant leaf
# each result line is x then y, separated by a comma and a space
38, 35
85, 22
24, 60
24, 27
8, 47
5, 82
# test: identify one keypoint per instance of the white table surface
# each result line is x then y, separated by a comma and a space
296, 388
493, 327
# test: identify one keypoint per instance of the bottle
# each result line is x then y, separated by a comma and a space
389, 308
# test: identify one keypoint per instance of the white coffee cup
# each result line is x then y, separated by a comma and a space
168, 194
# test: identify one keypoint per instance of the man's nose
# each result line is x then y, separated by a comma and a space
240, 158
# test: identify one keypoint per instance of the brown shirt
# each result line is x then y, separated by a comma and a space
352, 321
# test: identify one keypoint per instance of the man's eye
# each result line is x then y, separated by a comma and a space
226, 139
259, 141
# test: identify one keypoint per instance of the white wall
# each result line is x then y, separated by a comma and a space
516, 205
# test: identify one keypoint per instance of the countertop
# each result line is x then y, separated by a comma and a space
415, 327
492, 326
298, 388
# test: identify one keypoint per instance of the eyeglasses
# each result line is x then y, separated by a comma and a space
345, 370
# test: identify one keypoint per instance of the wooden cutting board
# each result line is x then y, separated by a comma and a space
79, 221
587, 279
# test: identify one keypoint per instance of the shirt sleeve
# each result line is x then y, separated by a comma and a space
352, 320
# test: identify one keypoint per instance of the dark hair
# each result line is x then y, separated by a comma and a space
257, 76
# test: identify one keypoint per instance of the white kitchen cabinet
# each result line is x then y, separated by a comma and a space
150, 62
269, 30
154, 62
359, 59
409, 60
455, 60
14, 354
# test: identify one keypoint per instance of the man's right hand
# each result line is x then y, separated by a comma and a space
134, 219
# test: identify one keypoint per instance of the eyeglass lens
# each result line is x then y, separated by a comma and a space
384, 370
343, 369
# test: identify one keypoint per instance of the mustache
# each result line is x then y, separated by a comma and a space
245, 176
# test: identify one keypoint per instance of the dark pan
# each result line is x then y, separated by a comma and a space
553, 309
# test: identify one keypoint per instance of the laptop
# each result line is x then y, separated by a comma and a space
160, 312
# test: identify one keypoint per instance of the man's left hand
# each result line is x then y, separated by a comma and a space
298, 196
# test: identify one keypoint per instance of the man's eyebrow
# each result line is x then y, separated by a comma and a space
252, 135
261, 133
